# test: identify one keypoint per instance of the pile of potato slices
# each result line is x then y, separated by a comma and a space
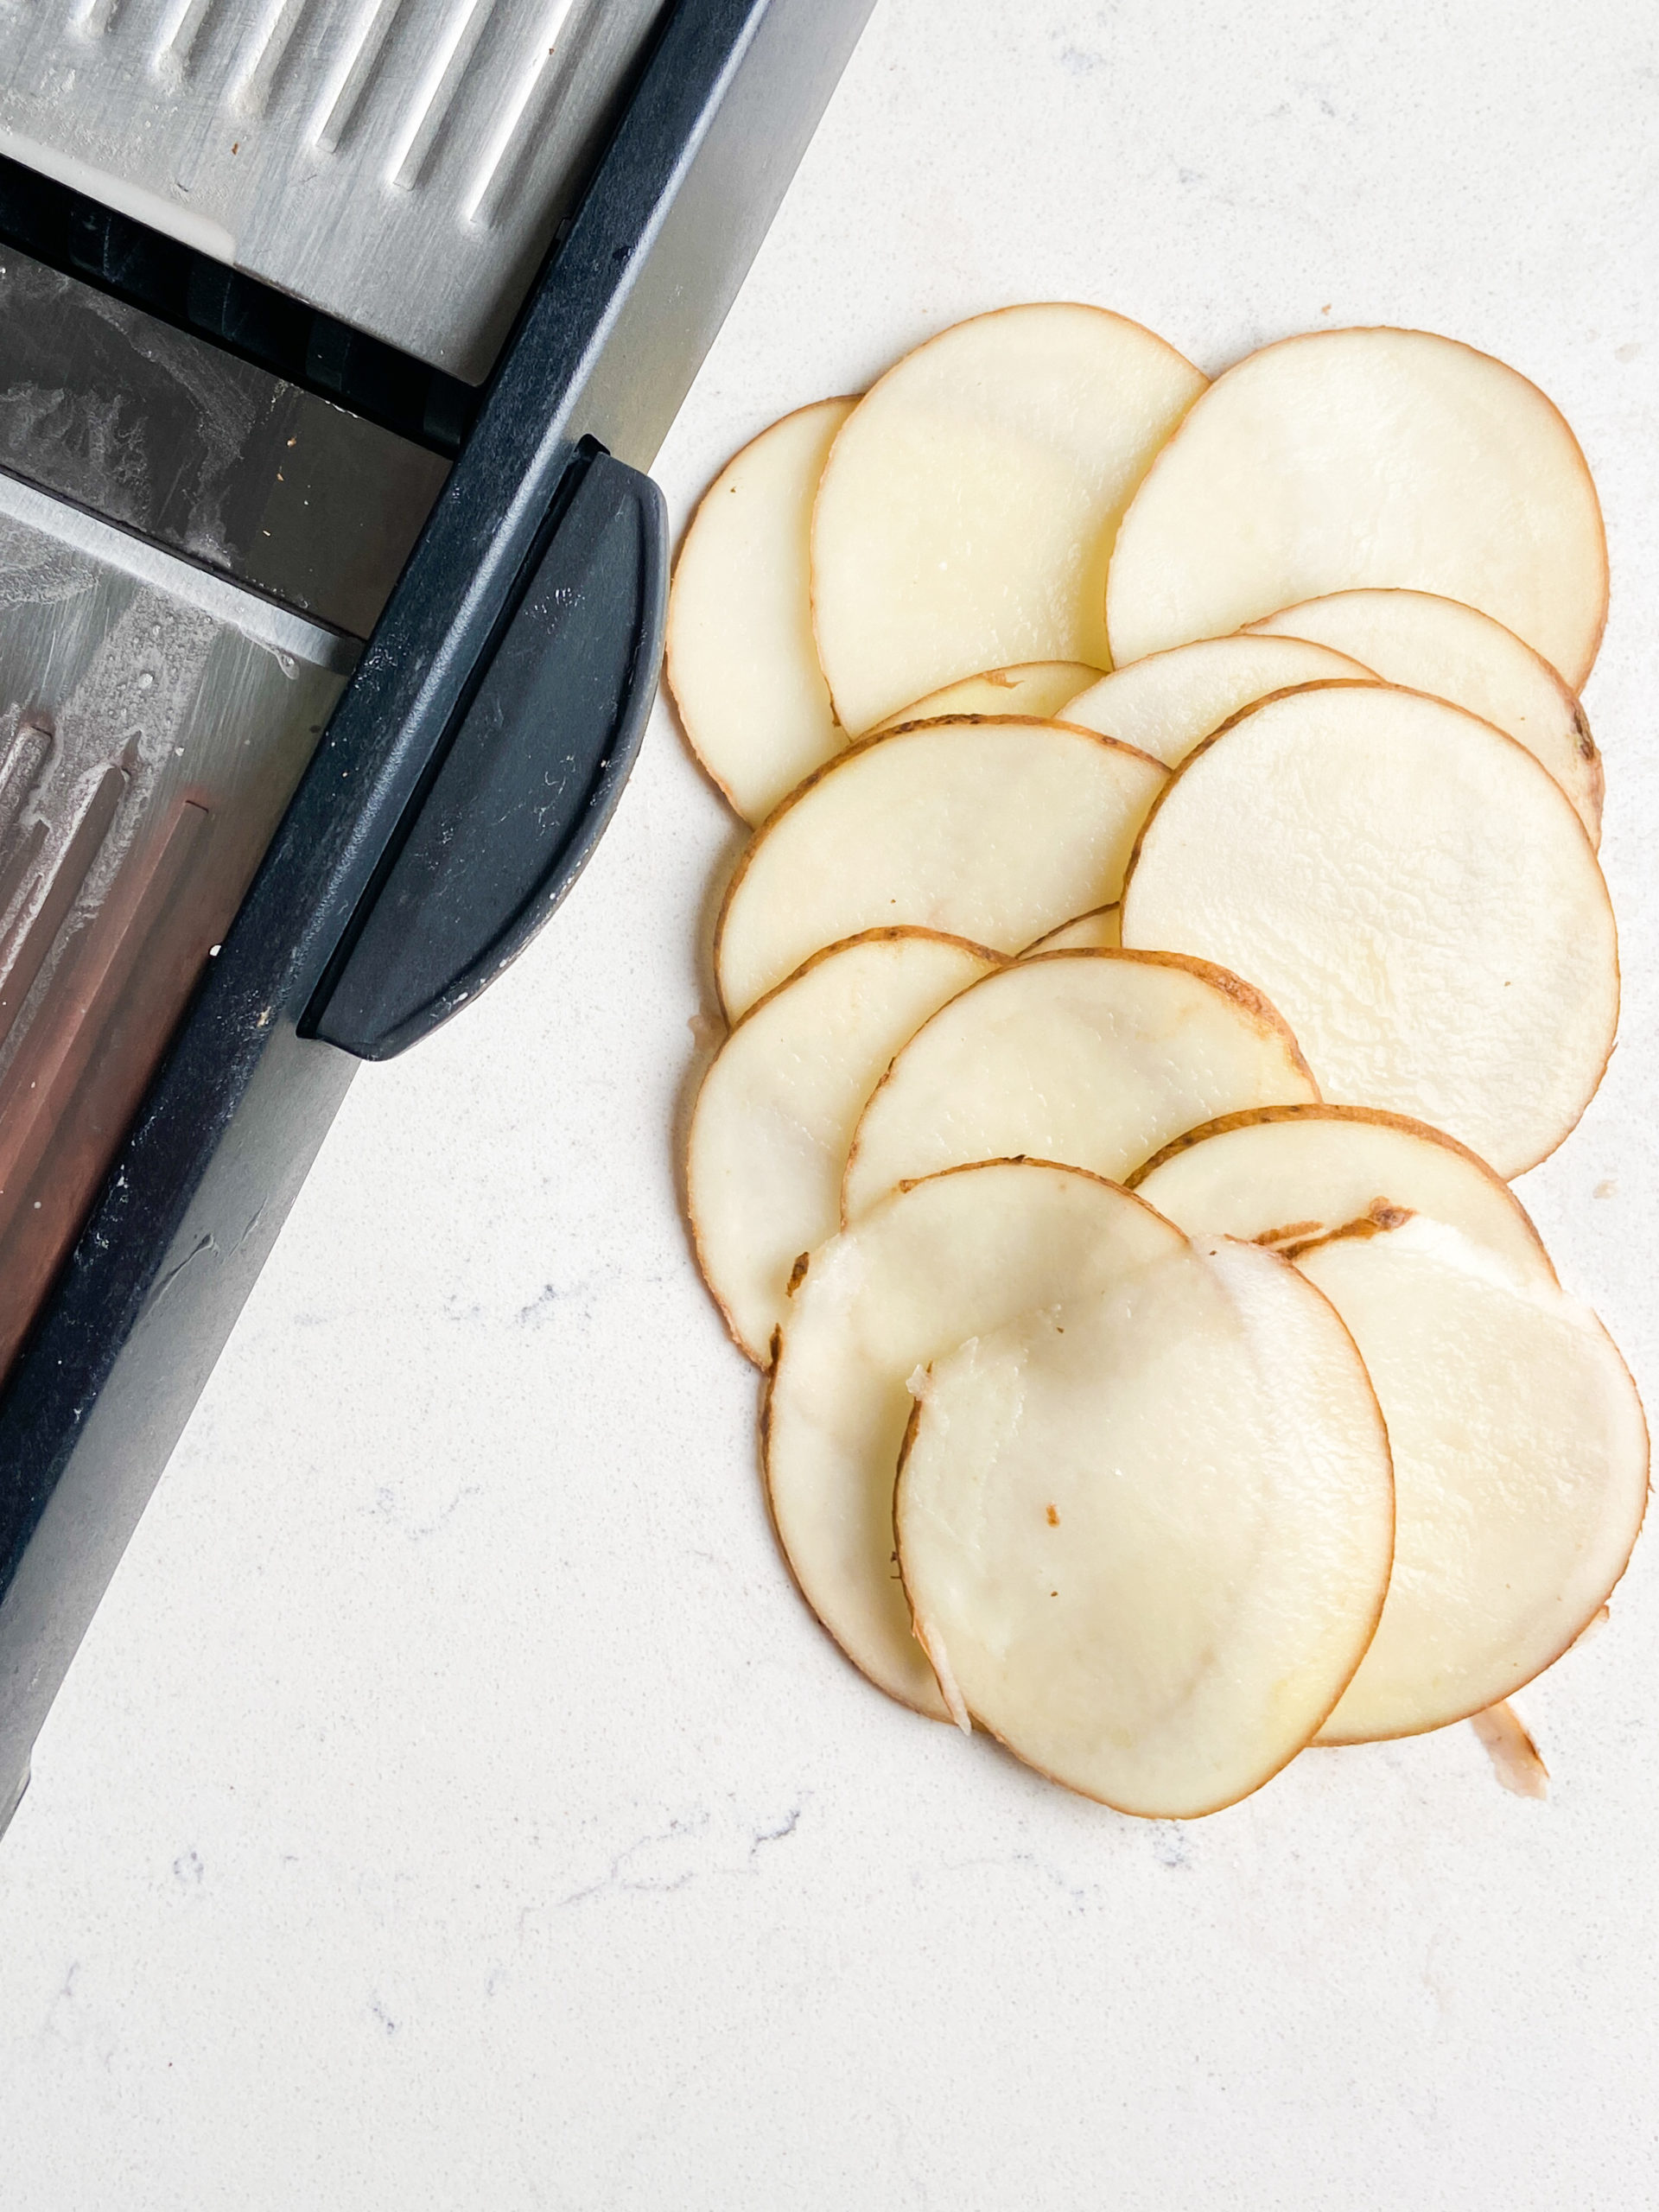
1172, 917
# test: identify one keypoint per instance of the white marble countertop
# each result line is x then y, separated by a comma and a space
453, 1804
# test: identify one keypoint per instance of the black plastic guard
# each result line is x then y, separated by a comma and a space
527, 781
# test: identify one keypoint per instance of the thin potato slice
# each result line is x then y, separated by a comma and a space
947, 1259
777, 1108
1291, 1176
1039, 687
741, 661
1093, 1058
1435, 645
1173, 700
1519, 1459
967, 508
995, 831
1520, 1462
1145, 1536
1364, 457
1414, 893
1100, 931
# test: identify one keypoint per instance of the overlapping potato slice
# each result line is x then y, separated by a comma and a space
950, 1258
1363, 458
1095, 1059
1100, 931
1290, 1176
1145, 1536
967, 508
1012, 925
1040, 688
776, 1114
1414, 893
995, 831
1519, 1450
1172, 701
1521, 1461
1430, 644
740, 660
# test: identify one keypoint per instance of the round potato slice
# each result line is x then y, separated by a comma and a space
741, 661
777, 1108
1039, 687
1145, 1536
1364, 457
1414, 893
1474, 1609
1094, 1059
1173, 700
1292, 1176
1521, 1463
992, 830
967, 508
1100, 931
1435, 645
947, 1259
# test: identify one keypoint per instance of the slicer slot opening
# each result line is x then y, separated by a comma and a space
195, 292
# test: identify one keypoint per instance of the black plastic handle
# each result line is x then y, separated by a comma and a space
516, 800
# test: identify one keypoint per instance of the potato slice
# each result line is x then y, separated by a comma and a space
1100, 931
1095, 1059
967, 508
1038, 688
777, 1108
947, 1259
741, 661
1467, 1334
1147, 1535
1351, 458
1414, 893
1520, 1462
1173, 700
1289, 1176
992, 830
1430, 644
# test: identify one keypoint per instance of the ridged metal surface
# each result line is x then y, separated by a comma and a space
399, 163
154, 721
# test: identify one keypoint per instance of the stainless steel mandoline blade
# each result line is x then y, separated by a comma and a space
191, 550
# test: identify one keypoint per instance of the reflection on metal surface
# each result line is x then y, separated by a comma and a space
171, 436
52, 887
400, 163
153, 721
12, 1798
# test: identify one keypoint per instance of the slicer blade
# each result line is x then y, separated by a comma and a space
211, 456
